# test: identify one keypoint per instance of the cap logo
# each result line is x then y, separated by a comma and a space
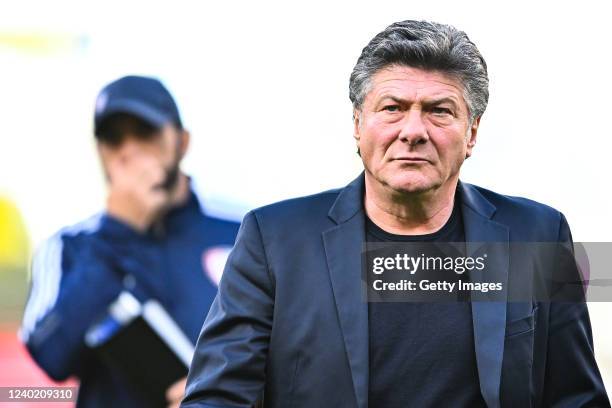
101, 102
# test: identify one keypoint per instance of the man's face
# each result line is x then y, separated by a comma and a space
130, 145
413, 130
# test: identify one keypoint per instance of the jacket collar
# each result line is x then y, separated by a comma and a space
350, 200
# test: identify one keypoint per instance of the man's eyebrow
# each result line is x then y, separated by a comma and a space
438, 101
396, 99
426, 102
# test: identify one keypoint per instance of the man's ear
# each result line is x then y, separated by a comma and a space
471, 137
185, 140
357, 127
103, 156
103, 152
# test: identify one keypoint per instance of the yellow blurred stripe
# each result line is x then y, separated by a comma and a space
44, 43
14, 242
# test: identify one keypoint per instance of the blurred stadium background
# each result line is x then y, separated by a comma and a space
263, 88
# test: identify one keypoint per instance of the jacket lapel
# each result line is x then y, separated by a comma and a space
488, 310
343, 245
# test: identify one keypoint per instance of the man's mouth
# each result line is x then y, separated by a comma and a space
411, 159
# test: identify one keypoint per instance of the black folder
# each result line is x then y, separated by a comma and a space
144, 345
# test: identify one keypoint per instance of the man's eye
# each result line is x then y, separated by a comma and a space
441, 111
391, 108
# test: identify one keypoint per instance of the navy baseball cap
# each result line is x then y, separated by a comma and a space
144, 97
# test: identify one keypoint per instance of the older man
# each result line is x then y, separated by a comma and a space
289, 323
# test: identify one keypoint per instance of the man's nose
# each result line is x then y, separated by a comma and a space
413, 131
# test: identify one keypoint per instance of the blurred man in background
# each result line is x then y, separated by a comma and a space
154, 240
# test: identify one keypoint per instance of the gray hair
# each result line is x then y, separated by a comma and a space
429, 46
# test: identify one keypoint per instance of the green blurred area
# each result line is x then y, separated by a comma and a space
13, 294
14, 262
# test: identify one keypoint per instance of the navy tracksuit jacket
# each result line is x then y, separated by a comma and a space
78, 272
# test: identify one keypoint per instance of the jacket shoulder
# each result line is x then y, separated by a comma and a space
516, 203
299, 209
75, 231
523, 212
64, 244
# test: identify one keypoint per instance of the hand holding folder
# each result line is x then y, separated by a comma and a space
145, 345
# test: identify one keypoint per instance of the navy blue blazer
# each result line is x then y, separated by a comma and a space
289, 326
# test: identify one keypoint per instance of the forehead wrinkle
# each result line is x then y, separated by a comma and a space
415, 96
404, 71
392, 85
398, 83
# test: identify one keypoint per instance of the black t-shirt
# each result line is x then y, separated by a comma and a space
422, 354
